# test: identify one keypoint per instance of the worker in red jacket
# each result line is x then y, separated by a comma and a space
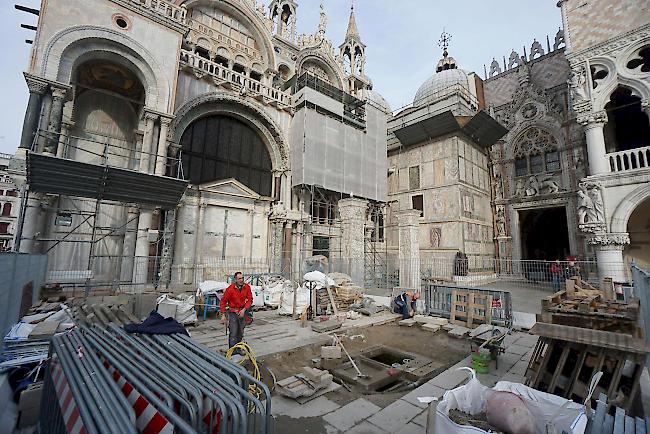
237, 298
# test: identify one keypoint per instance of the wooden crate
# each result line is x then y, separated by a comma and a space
470, 309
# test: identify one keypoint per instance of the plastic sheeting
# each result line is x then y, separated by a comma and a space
339, 157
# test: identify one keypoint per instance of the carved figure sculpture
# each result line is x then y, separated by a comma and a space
540, 185
585, 206
501, 221
578, 85
322, 24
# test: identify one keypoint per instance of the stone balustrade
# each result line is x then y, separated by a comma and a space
633, 159
166, 8
227, 77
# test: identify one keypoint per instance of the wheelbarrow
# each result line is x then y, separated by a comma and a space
490, 339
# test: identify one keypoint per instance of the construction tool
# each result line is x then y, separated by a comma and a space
359, 374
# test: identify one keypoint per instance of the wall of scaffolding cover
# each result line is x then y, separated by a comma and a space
329, 153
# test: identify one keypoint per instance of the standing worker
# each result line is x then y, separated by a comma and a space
237, 298
405, 304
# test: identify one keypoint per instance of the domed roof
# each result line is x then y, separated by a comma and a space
377, 100
440, 84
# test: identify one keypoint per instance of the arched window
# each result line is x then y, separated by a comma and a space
627, 125
6, 210
536, 152
219, 147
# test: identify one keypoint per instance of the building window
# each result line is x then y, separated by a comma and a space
4, 228
321, 246
12, 193
414, 178
536, 152
417, 202
6, 210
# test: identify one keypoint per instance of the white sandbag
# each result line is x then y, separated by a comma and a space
272, 294
180, 308
211, 287
320, 278
472, 398
286, 301
258, 295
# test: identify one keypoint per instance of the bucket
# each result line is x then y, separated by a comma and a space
481, 363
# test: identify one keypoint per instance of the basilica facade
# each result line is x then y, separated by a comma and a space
173, 141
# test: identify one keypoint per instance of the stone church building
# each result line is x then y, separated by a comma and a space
178, 140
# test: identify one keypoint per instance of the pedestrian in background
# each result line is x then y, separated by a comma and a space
237, 299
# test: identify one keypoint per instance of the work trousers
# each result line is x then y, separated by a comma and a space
236, 328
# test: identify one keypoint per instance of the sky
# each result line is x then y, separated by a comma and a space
401, 38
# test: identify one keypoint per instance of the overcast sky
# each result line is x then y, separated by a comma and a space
401, 38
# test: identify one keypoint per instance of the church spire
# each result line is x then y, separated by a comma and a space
447, 62
353, 32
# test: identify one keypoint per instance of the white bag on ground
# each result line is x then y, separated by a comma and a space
211, 287
320, 278
273, 293
258, 295
180, 308
286, 300
472, 398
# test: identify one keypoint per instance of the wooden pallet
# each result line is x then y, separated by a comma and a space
564, 368
470, 309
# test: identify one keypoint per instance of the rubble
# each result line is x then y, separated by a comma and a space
304, 384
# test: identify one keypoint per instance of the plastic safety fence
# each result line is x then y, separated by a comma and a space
438, 301
107, 381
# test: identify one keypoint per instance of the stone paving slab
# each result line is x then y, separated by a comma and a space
288, 407
450, 379
519, 368
411, 428
518, 349
395, 416
347, 416
422, 391
366, 428
421, 419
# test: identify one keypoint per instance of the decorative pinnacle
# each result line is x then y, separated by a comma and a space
444, 42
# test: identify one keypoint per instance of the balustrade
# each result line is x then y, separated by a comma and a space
230, 76
632, 159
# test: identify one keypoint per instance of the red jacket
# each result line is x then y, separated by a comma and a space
237, 299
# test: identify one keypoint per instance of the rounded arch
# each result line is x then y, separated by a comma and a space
326, 64
626, 207
248, 16
81, 43
246, 111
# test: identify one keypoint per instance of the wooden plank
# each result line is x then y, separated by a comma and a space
558, 368
629, 425
599, 418
331, 297
598, 338
608, 426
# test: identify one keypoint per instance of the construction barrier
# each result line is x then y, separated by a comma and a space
438, 301
109, 381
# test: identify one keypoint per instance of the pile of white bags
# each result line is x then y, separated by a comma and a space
212, 287
272, 291
473, 398
180, 308
258, 295
286, 300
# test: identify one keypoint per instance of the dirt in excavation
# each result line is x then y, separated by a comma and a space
439, 347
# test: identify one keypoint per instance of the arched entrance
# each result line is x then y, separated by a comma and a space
218, 147
638, 226
544, 233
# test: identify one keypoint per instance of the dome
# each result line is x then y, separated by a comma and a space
377, 100
440, 84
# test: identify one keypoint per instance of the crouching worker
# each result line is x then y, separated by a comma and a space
405, 304
238, 299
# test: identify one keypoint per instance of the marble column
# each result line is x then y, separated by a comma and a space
128, 247
54, 122
63, 139
36, 88
408, 221
147, 141
277, 226
353, 219
609, 255
596, 152
33, 224
198, 243
141, 265
161, 154
134, 163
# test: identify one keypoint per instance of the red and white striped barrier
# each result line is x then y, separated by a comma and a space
69, 411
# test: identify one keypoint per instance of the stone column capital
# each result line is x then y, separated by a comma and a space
59, 92
166, 120
35, 84
353, 208
593, 120
609, 241
408, 217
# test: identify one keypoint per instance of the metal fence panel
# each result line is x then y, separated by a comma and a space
641, 281
18, 272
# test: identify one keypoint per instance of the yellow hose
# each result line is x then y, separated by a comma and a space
249, 354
